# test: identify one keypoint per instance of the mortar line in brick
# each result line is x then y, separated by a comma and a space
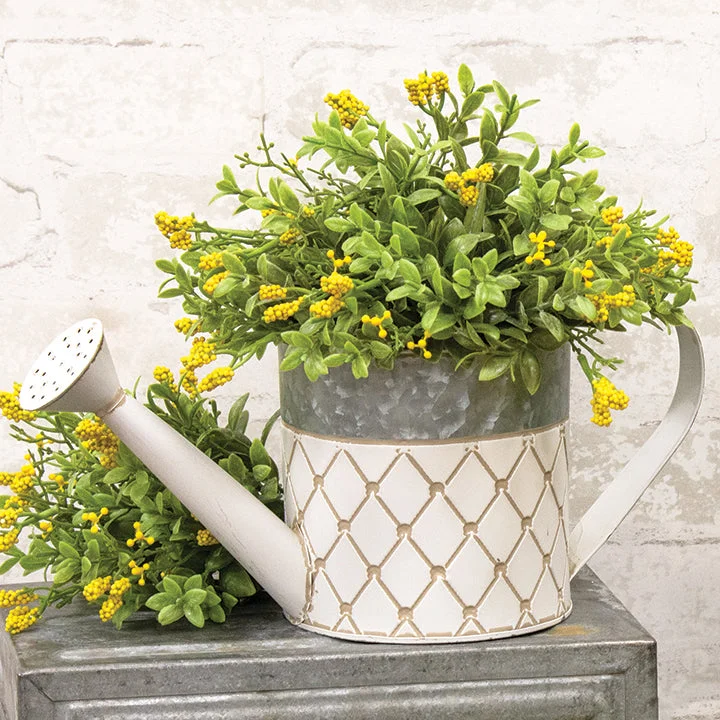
21, 190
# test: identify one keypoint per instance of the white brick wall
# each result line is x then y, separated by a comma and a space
112, 110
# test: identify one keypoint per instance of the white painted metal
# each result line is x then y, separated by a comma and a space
609, 510
431, 541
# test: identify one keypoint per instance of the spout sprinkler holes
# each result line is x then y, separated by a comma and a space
62, 362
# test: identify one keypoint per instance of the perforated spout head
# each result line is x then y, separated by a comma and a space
74, 373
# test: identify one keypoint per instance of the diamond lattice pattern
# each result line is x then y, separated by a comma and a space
431, 540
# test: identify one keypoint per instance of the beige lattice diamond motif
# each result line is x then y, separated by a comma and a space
446, 541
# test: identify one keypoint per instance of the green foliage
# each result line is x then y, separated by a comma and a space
454, 270
96, 519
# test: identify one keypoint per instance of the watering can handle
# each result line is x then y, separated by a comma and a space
609, 510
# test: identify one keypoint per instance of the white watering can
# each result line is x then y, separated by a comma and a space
387, 541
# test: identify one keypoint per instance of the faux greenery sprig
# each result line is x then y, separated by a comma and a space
99, 524
446, 243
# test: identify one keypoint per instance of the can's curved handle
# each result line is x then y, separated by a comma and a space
609, 510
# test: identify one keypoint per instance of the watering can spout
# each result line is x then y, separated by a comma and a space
75, 373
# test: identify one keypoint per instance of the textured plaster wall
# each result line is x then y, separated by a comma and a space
111, 110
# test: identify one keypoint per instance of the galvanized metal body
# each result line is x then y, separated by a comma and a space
600, 664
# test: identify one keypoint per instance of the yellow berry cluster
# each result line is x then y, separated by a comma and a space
421, 90
21, 481
614, 230
21, 618
139, 570
9, 515
164, 375
336, 284
377, 321
307, 211
611, 215
57, 478
338, 262
484, 173
282, 311
175, 229
97, 587
469, 195
681, 251
348, 107
8, 539
10, 598
541, 242
94, 518
205, 538
210, 285
202, 352
586, 273
326, 308
139, 536
95, 436
46, 526
421, 345
290, 236
215, 378
10, 406
272, 292
114, 601
465, 185
606, 397
183, 325
211, 261
603, 301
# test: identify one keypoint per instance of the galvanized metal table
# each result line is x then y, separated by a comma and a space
600, 663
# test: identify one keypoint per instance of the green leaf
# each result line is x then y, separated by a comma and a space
471, 104
523, 137
68, 551
548, 192
591, 152
408, 271
170, 614
530, 371
465, 79
233, 263
237, 582
216, 614
502, 94
294, 338
574, 134
380, 350
140, 487
10, 563
337, 224
160, 600
555, 222
171, 587
464, 245
423, 195
193, 583
553, 324
167, 266
387, 179
586, 307
117, 475
494, 367
194, 596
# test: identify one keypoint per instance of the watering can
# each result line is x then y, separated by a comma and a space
432, 539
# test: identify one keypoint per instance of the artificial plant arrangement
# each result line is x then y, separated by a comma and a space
444, 243
100, 525
451, 243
